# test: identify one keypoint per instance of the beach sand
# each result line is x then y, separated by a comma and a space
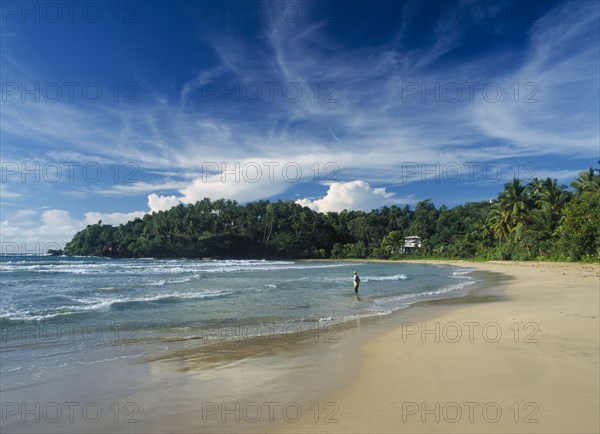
528, 362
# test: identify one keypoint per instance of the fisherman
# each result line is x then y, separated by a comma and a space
356, 281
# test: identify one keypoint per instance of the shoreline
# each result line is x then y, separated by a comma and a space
176, 390
301, 375
378, 373
528, 362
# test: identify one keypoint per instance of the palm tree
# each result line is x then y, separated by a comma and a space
515, 204
269, 221
586, 181
552, 196
535, 188
499, 223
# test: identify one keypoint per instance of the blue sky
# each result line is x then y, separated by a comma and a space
114, 109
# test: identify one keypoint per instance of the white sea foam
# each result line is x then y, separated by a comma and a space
462, 271
384, 278
164, 267
426, 294
103, 304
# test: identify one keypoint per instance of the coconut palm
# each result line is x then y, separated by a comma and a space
515, 203
552, 197
535, 188
586, 181
499, 223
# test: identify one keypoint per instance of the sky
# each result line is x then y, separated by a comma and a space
111, 110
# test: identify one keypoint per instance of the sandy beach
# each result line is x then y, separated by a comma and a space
525, 363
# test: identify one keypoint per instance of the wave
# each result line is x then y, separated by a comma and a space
96, 304
159, 267
162, 297
347, 279
109, 289
426, 294
384, 278
159, 282
274, 268
462, 272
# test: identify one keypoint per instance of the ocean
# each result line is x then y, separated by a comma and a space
64, 315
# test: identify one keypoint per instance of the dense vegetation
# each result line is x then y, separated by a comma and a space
537, 220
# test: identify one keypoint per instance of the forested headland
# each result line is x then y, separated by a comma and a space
528, 221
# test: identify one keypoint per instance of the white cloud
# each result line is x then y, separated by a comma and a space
58, 219
51, 230
29, 232
242, 190
161, 203
354, 195
113, 218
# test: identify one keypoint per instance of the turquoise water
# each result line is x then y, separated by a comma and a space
58, 312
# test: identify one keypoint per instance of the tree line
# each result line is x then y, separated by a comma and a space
536, 220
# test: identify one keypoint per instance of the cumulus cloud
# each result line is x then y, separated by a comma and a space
113, 218
28, 231
48, 230
161, 203
354, 195
52, 228
244, 190
58, 219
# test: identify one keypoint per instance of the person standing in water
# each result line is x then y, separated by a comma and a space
356, 282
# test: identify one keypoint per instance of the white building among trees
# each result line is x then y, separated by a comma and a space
411, 243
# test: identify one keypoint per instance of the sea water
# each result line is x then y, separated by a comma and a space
57, 313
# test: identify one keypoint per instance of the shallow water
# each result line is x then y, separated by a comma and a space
75, 324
